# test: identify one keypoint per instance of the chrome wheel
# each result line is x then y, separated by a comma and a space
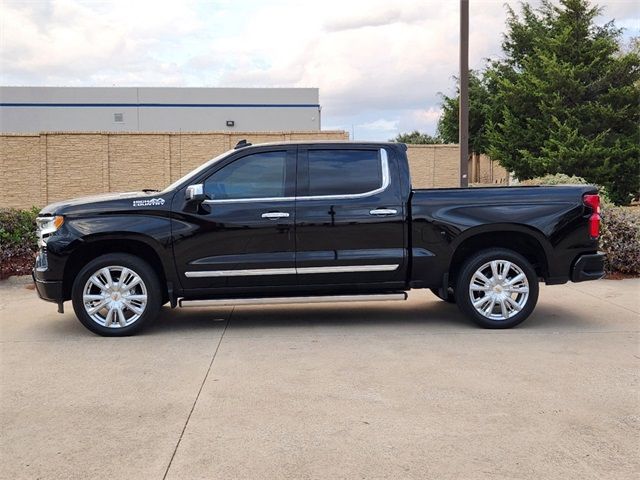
499, 290
114, 297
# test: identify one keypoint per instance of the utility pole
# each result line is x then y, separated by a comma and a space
463, 114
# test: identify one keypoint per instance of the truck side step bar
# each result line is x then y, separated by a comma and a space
224, 302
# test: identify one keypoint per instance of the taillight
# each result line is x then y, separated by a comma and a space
593, 201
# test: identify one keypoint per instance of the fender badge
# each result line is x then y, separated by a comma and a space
152, 202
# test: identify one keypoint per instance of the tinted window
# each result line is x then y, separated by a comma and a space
260, 175
343, 172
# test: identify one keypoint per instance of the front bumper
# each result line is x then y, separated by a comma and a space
48, 290
588, 267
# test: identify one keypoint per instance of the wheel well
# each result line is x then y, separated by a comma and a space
519, 242
88, 251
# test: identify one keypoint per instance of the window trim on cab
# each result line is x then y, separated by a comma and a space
386, 181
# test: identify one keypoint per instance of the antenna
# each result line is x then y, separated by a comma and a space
241, 144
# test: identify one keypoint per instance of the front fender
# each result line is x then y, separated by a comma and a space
116, 232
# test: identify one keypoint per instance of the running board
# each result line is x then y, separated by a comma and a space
225, 302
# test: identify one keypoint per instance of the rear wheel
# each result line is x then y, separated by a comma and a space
116, 295
497, 288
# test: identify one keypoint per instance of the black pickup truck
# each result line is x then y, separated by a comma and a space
312, 222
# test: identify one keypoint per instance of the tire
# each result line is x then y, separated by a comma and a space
449, 297
116, 312
501, 301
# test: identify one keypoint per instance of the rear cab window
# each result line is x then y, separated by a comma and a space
343, 172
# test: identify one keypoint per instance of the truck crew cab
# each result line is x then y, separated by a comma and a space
312, 222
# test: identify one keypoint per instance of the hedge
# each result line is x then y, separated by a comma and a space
18, 241
620, 239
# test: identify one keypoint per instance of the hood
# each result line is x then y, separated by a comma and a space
134, 201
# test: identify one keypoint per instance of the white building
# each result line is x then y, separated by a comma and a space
151, 109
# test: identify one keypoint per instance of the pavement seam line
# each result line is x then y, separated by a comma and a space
204, 380
575, 289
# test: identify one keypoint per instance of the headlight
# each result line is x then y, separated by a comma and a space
47, 226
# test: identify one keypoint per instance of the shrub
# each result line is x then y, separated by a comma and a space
18, 241
562, 179
556, 179
18, 228
620, 239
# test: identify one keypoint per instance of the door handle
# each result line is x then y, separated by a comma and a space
383, 211
275, 215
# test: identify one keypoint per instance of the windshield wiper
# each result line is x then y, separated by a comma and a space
149, 190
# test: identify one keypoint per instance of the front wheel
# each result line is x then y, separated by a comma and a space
116, 295
497, 288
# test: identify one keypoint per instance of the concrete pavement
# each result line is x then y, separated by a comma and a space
373, 390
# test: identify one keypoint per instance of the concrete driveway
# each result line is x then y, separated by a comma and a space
380, 390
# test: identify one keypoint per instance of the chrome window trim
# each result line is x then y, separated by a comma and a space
292, 271
249, 200
386, 181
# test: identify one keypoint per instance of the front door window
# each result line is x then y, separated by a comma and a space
261, 175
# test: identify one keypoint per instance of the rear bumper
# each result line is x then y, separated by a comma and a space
588, 267
51, 291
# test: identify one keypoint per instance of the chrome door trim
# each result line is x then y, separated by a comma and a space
241, 273
386, 181
292, 271
347, 269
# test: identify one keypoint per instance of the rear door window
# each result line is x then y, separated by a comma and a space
344, 172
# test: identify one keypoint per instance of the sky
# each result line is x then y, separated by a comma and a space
381, 66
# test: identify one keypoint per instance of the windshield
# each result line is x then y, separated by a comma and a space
195, 172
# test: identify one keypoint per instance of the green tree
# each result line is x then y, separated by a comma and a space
479, 105
565, 98
416, 137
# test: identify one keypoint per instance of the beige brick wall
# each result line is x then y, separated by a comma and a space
190, 150
434, 166
437, 166
20, 167
75, 165
491, 172
138, 161
40, 169
44, 168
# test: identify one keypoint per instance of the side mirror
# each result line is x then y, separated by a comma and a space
194, 193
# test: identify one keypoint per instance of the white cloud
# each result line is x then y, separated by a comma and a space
425, 119
70, 42
380, 125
